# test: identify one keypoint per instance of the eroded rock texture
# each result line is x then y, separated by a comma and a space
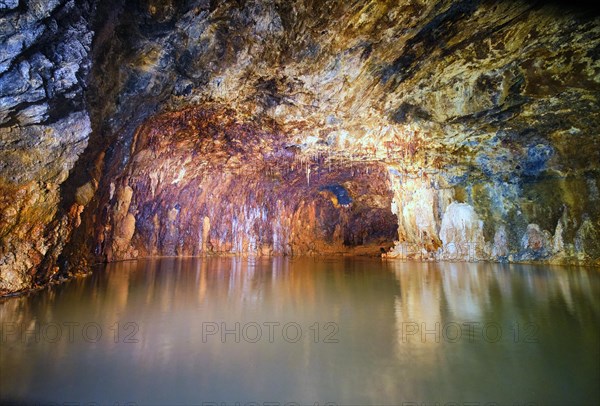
200, 182
473, 124
44, 127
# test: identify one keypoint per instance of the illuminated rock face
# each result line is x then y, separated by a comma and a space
198, 182
472, 125
44, 127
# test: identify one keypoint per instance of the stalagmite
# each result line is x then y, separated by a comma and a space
205, 233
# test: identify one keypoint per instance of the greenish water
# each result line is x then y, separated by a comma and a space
275, 331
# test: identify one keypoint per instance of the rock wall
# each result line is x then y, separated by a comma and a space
201, 182
481, 117
481, 219
44, 127
493, 106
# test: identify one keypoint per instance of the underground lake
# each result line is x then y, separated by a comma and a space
300, 202
347, 331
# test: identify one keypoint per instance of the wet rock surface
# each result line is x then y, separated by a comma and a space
44, 127
480, 118
200, 182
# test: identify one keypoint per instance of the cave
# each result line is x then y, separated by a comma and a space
306, 198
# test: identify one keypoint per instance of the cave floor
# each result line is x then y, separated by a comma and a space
306, 331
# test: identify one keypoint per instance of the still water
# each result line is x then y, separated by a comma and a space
275, 331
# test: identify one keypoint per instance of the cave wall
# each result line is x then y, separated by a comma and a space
201, 182
483, 116
485, 113
44, 128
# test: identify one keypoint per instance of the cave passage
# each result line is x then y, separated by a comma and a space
200, 183
381, 177
428, 130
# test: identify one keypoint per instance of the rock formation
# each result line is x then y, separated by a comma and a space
44, 128
447, 130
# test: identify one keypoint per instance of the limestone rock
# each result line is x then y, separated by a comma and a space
44, 127
461, 233
500, 249
535, 242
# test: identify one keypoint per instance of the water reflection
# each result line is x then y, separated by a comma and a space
347, 331
517, 334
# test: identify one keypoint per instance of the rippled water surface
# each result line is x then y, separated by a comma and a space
276, 331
